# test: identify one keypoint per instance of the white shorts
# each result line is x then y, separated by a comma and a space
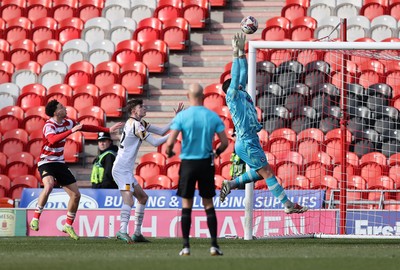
124, 179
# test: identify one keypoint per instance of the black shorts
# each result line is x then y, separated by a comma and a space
200, 171
59, 171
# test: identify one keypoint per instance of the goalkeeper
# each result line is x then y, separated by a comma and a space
247, 145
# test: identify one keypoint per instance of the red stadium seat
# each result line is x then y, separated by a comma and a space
176, 33
106, 73
32, 95
11, 9
158, 182
294, 9
288, 165
64, 9
18, 133
176, 148
22, 51
196, 12
10, 118
80, 73
382, 182
276, 28
140, 180
3, 161
300, 182
34, 146
172, 170
43, 28
47, 50
5, 184
281, 141
318, 165
112, 99
155, 55
37, 9
92, 115
214, 101
168, 9
73, 147
61, 92
127, 51
133, 77
149, 170
6, 71
21, 182
69, 29
373, 8
153, 157
302, 28
148, 29
89, 9
4, 47
373, 165
20, 163
11, 146
17, 29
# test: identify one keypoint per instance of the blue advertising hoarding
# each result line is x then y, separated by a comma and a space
167, 199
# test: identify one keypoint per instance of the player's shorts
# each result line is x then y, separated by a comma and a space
60, 172
200, 171
124, 179
251, 152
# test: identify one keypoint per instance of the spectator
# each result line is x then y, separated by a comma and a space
101, 176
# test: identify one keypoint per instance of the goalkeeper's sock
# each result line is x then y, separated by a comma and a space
277, 190
186, 222
139, 214
212, 225
125, 216
247, 177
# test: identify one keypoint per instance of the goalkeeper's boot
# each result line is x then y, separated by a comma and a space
185, 252
214, 251
139, 239
124, 237
70, 231
34, 225
225, 190
296, 209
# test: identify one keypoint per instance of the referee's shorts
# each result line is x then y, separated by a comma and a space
200, 171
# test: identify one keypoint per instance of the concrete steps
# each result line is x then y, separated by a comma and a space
210, 52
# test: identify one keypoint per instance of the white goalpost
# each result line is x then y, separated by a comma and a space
331, 115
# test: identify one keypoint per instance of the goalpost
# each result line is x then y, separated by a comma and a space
348, 175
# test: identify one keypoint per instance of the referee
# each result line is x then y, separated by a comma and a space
198, 126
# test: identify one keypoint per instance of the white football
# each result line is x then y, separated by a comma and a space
249, 25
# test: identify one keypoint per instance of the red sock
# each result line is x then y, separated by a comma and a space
38, 212
70, 218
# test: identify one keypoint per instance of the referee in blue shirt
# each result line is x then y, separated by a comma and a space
198, 126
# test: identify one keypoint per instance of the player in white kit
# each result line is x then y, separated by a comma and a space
136, 131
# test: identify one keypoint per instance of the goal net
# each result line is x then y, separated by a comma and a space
331, 134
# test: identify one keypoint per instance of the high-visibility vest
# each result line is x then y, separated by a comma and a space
98, 171
238, 167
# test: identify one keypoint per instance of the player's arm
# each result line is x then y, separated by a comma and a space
170, 143
52, 137
224, 143
243, 67
156, 141
164, 129
91, 128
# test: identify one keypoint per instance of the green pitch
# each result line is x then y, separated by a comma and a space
42, 253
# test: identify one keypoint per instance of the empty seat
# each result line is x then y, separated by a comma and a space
84, 96
168, 9
95, 29
74, 51
89, 9
347, 8
176, 33
53, 73
302, 28
320, 10
64, 9
43, 28
122, 29
112, 99
294, 9
127, 51
47, 50
69, 28
106, 73
373, 8
79, 73
276, 28
197, 13
141, 9
134, 77
101, 51
155, 55
116, 9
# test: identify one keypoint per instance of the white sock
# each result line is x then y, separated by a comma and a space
139, 214
125, 216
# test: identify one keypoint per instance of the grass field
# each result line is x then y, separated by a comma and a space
41, 253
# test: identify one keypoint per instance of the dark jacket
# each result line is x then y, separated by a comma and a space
107, 163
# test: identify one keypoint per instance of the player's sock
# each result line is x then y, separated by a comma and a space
247, 177
38, 212
277, 190
186, 222
212, 225
125, 215
70, 218
139, 214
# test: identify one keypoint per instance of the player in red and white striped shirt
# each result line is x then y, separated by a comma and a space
52, 165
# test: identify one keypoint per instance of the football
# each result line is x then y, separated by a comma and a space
249, 25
